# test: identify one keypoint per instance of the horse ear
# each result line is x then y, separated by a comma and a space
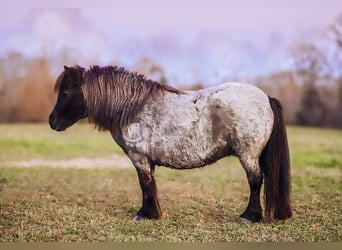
66, 68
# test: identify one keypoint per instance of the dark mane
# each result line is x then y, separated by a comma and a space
114, 95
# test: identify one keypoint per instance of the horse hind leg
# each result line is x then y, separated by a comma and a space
253, 212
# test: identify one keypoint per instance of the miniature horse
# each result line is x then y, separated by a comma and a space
156, 124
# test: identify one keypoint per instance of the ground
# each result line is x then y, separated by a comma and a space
79, 186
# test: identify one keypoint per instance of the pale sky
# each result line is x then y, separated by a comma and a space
197, 41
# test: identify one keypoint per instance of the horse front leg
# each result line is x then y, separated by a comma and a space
150, 203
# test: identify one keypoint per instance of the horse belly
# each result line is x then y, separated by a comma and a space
182, 150
184, 140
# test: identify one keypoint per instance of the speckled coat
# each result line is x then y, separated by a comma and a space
196, 128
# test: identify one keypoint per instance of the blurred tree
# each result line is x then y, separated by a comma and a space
309, 62
309, 65
335, 31
312, 111
12, 69
284, 86
35, 95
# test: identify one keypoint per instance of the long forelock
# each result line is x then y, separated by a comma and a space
114, 96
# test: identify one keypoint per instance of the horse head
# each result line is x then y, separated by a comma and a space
70, 105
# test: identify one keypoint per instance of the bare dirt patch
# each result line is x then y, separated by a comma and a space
115, 161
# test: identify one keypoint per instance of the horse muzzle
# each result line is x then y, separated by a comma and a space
56, 124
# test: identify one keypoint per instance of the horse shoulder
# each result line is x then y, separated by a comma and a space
154, 121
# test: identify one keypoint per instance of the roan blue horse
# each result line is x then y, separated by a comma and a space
156, 124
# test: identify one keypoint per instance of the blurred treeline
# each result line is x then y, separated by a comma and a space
311, 93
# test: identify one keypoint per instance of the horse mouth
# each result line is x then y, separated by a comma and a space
60, 124
57, 126
59, 129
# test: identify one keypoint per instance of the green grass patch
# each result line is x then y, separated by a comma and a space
32, 141
316, 147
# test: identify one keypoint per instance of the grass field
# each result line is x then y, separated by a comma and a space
42, 203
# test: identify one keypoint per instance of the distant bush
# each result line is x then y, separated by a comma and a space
26, 93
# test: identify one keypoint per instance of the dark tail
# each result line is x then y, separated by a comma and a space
275, 163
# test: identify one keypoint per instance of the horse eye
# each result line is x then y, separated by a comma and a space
65, 92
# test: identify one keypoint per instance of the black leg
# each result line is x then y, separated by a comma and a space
150, 204
150, 208
254, 174
253, 211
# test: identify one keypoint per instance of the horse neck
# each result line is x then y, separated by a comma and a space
114, 96
112, 104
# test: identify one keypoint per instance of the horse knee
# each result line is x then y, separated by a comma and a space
251, 167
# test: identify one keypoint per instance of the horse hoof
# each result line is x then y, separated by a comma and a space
138, 218
242, 220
